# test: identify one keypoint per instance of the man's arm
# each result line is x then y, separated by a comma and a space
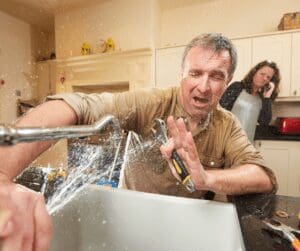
50, 114
27, 224
247, 178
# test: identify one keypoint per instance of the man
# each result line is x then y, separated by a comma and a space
214, 141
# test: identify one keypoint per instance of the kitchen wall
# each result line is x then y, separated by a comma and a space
21, 45
139, 23
15, 65
182, 20
43, 43
132, 24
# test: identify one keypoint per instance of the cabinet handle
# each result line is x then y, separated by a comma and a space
259, 143
295, 93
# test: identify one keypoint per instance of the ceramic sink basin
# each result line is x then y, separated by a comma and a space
99, 218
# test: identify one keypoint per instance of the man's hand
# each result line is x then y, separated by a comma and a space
25, 224
182, 141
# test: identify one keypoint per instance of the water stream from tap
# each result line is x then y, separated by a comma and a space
87, 169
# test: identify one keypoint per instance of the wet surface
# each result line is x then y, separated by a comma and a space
252, 209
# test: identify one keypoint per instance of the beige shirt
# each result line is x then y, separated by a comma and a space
221, 145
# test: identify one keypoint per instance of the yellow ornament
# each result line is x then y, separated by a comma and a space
110, 45
85, 49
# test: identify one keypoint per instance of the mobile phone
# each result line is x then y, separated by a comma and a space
267, 87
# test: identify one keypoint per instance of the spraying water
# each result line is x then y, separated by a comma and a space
86, 168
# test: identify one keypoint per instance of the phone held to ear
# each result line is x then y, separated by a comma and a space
267, 87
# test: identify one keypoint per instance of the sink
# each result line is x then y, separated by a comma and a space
101, 218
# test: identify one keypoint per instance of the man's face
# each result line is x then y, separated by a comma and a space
204, 79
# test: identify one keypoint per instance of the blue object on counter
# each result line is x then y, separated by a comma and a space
110, 183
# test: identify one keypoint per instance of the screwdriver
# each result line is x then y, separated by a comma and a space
160, 133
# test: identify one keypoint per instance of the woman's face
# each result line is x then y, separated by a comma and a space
262, 77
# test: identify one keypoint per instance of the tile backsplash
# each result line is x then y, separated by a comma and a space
285, 109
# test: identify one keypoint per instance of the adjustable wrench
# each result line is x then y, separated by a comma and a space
160, 133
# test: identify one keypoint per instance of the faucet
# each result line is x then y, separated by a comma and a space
14, 135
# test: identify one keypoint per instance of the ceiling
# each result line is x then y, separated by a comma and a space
38, 12
41, 12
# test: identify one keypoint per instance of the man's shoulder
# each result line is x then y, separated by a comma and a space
155, 93
223, 114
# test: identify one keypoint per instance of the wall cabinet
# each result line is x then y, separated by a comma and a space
295, 61
276, 48
282, 48
244, 51
283, 158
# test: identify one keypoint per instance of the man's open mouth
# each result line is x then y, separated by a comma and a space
201, 100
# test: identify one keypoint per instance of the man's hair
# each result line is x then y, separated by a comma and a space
215, 42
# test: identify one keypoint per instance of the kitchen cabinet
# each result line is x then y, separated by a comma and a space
244, 52
276, 48
168, 66
280, 47
295, 61
283, 158
46, 72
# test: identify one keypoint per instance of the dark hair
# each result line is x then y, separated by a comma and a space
216, 42
248, 79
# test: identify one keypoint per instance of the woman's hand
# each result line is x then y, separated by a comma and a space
268, 91
182, 141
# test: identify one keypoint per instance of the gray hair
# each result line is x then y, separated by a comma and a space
216, 42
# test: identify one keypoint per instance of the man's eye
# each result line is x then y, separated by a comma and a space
194, 74
217, 77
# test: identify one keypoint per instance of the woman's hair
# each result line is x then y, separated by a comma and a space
247, 81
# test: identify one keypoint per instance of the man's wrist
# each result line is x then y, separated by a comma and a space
208, 182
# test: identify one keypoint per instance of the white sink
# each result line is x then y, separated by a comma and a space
113, 219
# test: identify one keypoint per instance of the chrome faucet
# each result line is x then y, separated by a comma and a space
14, 135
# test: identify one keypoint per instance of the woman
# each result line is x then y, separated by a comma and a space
251, 99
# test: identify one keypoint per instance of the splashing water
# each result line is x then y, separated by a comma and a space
75, 182
87, 171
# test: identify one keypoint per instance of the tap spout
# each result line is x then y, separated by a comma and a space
14, 135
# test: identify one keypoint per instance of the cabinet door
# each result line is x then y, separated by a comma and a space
276, 158
244, 52
295, 72
278, 49
168, 66
294, 174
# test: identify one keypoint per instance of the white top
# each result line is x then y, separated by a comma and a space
247, 108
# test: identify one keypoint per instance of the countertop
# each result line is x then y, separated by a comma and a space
252, 209
272, 133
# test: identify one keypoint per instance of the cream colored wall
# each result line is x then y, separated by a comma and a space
16, 65
286, 109
233, 18
43, 43
127, 22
